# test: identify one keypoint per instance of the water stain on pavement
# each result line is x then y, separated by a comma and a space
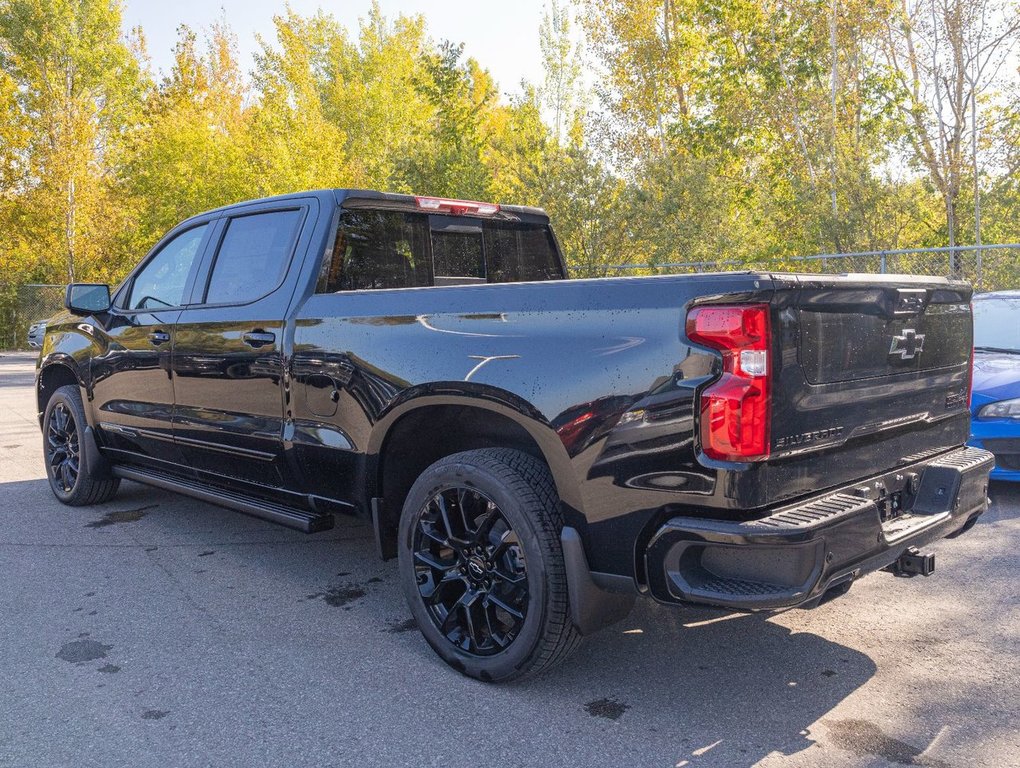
611, 709
340, 596
407, 625
109, 669
82, 650
121, 516
155, 714
865, 739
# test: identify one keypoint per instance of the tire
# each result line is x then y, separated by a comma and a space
69, 477
481, 564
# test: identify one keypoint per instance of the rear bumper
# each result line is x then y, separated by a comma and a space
799, 552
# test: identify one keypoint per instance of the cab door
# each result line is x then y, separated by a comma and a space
228, 356
132, 388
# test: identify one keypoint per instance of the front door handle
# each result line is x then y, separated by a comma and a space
159, 337
258, 338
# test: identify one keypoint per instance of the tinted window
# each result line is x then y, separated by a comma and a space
520, 252
253, 257
393, 249
378, 249
161, 282
458, 256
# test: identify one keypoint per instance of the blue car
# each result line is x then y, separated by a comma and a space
995, 405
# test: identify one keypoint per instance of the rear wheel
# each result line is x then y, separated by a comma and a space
63, 425
482, 567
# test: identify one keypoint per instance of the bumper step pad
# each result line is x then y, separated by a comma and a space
795, 554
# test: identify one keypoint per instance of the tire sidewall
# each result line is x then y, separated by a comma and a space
506, 663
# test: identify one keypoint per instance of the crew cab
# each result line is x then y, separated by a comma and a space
535, 451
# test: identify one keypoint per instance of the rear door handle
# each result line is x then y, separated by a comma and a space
159, 337
258, 338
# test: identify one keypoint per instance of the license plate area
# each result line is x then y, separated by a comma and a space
893, 494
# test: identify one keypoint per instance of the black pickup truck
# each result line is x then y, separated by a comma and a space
535, 451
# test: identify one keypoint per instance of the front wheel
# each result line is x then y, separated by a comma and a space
481, 564
70, 479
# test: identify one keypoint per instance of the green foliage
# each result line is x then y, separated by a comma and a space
448, 159
190, 152
717, 136
70, 89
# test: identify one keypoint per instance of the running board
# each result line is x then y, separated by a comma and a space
307, 522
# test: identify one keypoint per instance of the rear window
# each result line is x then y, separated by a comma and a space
397, 249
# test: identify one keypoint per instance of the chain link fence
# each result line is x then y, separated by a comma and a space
986, 267
22, 305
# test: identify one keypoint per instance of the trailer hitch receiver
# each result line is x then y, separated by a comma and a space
913, 562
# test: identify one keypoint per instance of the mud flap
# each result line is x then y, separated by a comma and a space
591, 607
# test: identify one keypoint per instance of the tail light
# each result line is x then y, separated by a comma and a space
735, 409
456, 207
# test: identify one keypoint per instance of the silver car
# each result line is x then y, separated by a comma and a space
36, 331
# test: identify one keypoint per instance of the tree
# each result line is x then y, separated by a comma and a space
374, 99
589, 206
946, 54
448, 159
71, 89
561, 61
294, 146
190, 151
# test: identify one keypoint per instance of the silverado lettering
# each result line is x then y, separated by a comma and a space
809, 437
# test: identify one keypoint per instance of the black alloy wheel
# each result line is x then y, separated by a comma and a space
73, 479
471, 571
481, 564
63, 448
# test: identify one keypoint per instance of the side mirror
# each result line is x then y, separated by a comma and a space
87, 298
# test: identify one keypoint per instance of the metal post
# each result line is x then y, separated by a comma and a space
881, 257
977, 186
834, 85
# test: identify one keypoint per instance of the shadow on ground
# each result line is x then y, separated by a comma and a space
704, 687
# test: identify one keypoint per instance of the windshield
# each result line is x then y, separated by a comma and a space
997, 324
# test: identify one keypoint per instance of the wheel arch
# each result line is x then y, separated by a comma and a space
401, 448
55, 373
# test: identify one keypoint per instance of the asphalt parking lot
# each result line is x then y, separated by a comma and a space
160, 631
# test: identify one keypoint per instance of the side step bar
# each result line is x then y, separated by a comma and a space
307, 522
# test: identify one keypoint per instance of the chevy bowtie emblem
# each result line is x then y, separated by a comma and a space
908, 346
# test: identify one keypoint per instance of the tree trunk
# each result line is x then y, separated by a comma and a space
69, 230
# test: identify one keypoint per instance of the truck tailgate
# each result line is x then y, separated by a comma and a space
870, 372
